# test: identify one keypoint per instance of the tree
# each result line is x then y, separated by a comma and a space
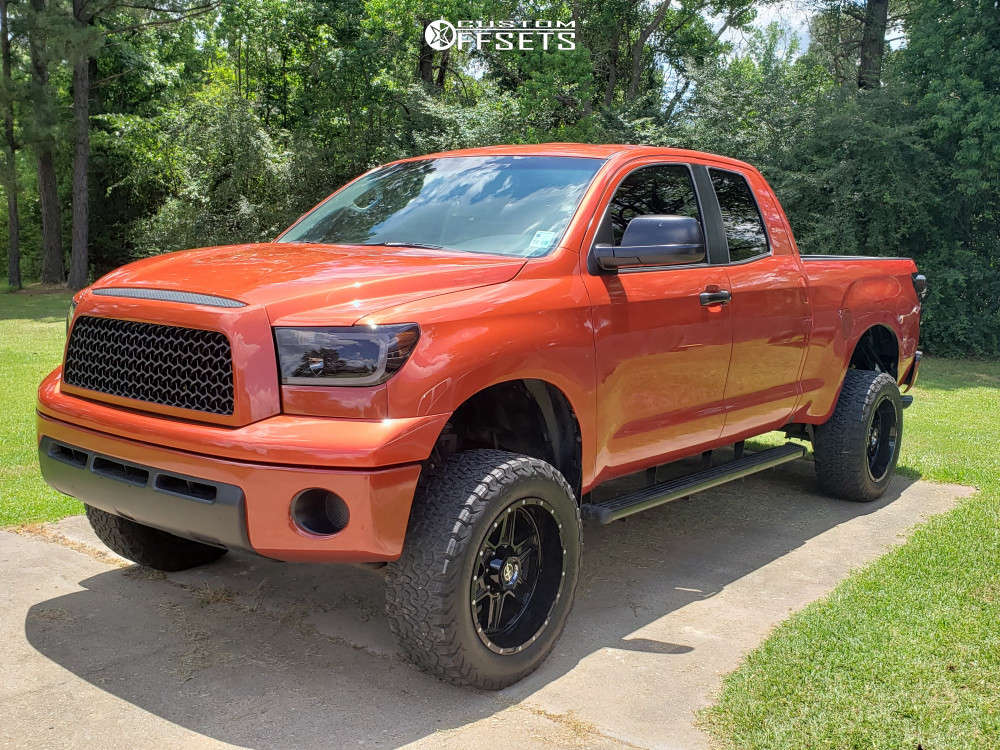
84, 42
849, 38
40, 43
669, 23
756, 104
872, 44
10, 154
950, 72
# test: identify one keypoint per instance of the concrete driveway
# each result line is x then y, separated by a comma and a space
256, 653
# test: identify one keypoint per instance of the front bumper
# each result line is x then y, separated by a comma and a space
191, 507
378, 500
372, 465
285, 439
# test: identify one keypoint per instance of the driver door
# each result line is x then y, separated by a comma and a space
662, 353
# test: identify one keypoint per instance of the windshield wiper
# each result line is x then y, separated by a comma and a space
419, 245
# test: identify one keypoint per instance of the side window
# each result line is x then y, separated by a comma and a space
740, 217
657, 189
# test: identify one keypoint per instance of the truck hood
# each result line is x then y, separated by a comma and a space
306, 284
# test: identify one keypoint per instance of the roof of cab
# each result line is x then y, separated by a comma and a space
589, 150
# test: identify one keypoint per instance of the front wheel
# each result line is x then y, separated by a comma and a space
148, 546
857, 448
488, 571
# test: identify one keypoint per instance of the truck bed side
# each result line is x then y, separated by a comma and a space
851, 295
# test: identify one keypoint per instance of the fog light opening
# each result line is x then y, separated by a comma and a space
319, 512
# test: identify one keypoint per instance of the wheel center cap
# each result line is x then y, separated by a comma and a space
510, 571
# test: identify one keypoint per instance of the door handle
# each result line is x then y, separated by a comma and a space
719, 297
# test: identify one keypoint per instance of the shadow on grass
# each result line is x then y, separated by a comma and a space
34, 307
909, 472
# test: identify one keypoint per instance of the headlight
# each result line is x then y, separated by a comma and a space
70, 314
354, 355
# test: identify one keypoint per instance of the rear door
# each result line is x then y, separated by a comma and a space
770, 307
662, 355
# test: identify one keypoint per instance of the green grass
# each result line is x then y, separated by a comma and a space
32, 333
906, 652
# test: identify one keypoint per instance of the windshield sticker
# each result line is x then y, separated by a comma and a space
542, 241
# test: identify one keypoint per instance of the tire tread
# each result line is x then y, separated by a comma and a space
148, 546
840, 445
419, 585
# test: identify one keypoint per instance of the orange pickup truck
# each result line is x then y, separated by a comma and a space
442, 366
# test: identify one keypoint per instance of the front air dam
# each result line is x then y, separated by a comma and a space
378, 500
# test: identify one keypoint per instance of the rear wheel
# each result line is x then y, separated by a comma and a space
489, 569
148, 546
857, 449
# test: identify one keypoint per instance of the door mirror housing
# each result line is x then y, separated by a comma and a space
654, 240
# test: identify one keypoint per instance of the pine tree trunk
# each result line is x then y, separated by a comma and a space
873, 44
53, 268
10, 165
81, 159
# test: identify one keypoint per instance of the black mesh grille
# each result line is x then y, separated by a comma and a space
183, 367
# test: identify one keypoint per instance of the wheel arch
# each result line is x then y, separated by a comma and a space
531, 416
876, 348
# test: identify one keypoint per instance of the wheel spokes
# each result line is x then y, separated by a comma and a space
495, 612
480, 592
507, 526
518, 602
882, 439
509, 604
525, 551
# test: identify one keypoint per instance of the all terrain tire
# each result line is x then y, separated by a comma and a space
857, 448
489, 569
148, 546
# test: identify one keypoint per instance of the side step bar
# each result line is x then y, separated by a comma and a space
674, 489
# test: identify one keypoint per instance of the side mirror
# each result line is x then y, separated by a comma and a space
655, 241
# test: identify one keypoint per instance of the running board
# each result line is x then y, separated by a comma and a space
674, 489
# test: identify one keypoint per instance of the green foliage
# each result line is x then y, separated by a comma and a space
758, 104
226, 126
951, 73
232, 179
912, 169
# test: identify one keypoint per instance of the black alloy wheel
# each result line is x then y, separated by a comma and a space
883, 435
489, 568
857, 448
518, 576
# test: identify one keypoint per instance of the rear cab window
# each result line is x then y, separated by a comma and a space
741, 219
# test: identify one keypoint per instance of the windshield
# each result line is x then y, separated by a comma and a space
507, 205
